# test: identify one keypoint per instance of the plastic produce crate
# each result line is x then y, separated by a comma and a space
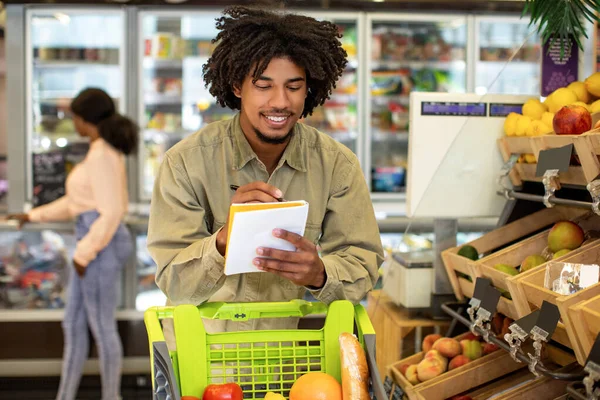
259, 361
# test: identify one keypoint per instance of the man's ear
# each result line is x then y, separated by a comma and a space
237, 91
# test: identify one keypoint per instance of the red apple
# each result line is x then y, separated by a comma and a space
572, 120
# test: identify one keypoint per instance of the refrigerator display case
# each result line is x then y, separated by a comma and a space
508, 56
406, 53
339, 116
173, 100
65, 54
34, 269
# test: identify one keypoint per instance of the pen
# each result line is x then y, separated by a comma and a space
236, 187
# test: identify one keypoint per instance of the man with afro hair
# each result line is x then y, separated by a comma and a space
274, 68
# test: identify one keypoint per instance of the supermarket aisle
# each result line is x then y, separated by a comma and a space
134, 387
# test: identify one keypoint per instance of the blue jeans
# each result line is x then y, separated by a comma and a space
92, 301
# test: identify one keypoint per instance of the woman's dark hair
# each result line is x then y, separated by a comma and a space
251, 37
96, 107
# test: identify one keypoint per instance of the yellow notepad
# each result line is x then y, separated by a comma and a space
251, 226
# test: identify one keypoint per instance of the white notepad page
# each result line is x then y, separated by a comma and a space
253, 229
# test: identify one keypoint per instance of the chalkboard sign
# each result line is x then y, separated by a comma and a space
49, 176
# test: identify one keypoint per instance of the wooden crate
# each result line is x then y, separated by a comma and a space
514, 256
502, 237
539, 388
586, 146
585, 320
459, 380
532, 293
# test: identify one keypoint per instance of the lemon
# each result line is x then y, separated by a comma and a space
582, 104
521, 159
548, 102
522, 124
548, 119
530, 159
510, 124
560, 98
534, 109
580, 91
537, 128
595, 107
274, 396
592, 84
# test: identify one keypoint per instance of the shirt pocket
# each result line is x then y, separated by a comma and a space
312, 232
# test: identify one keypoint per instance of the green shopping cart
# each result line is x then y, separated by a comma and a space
259, 361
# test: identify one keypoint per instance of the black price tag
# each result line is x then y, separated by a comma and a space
490, 300
593, 360
528, 322
482, 285
398, 393
547, 320
559, 158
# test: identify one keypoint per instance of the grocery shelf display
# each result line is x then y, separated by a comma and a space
173, 100
406, 54
64, 56
498, 69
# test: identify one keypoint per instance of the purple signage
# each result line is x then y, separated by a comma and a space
557, 71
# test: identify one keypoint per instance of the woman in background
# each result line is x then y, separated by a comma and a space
96, 195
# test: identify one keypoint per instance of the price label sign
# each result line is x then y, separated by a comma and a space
547, 321
524, 325
559, 158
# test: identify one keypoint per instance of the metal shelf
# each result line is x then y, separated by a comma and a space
449, 309
540, 199
157, 63
72, 63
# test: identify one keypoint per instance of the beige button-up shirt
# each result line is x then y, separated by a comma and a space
190, 203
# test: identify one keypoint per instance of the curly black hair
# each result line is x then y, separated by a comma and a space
250, 38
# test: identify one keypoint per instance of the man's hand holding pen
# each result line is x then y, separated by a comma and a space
255, 192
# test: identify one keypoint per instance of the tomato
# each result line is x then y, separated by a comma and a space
226, 391
189, 398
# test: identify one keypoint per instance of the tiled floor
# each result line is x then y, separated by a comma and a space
133, 388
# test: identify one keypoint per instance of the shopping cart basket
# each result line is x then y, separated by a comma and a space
259, 361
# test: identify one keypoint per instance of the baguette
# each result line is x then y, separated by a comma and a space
355, 372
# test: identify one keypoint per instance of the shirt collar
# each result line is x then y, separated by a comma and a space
294, 154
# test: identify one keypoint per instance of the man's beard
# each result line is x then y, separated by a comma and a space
270, 140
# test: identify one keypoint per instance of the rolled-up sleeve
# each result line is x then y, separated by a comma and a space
189, 266
350, 242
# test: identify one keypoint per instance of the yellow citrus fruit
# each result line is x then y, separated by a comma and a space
595, 107
560, 98
522, 125
580, 91
533, 108
510, 124
530, 159
547, 119
582, 104
592, 84
537, 128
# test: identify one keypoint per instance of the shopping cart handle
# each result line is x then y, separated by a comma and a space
246, 311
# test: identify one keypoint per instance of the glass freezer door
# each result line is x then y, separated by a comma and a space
174, 102
65, 55
338, 117
497, 39
421, 54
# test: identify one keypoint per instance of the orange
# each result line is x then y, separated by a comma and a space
316, 386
